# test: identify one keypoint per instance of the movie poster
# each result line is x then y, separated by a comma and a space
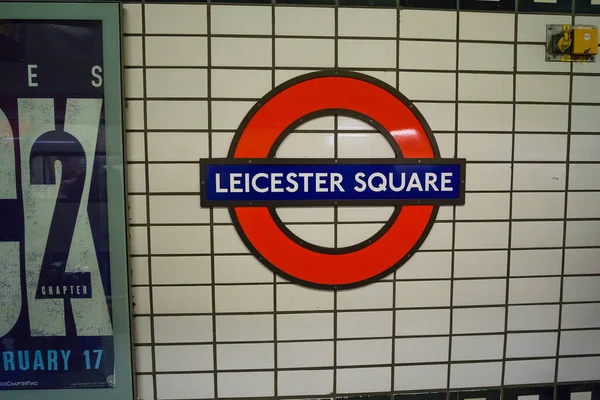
55, 274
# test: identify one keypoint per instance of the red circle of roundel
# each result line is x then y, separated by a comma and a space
255, 139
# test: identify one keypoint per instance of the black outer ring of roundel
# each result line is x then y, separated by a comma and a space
397, 151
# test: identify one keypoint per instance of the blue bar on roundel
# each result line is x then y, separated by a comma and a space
282, 183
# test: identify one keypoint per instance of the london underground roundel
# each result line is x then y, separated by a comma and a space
251, 182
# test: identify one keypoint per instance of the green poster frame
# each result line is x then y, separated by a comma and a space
109, 13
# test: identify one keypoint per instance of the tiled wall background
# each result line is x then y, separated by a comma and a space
506, 289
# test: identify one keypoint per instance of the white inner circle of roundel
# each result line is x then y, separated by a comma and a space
315, 139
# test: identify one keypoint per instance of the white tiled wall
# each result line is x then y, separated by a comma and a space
492, 297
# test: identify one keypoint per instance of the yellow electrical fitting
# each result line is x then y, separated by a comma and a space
565, 41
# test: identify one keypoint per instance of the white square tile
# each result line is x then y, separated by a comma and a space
580, 316
177, 146
133, 81
229, 114
539, 147
248, 52
181, 299
582, 261
184, 358
226, 240
364, 380
132, 18
422, 322
245, 328
313, 214
375, 295
532, 28
312, 53
426, 24
439, 238
479, 292
423, 265
243, 384
488, 177
320, 235
364, 352
350, 234
537, 234
475, 374
439, 116
532, 57
185, 386
522, 345
166, 115
421, 377
367, 22
582, 395
136, 178
240, 269
178, 270
539, 177
470, 264
535, 262
485, 57
244, 298
498, 87
180, 178
535, 205
366, 53
584, 176
486, 347
427, 55
176, 51
137, 209
585, 118
134, 146
304, 326
145, 386
579, 342
584, 148
543, 88
498, 26
485, 146
540, 118
428, 85
183, 329
245, 356
191, 18
523, 318
422, 294
531, 371
579, 369
180, 239
485, 117
132, 51
364, 324
138, 241
583, 233
142, 331
176, 82
134, 114
315, 21
140, 299
419, 350
305, 354
533, 290
581, 289
240, 83
583, 205
478, 320
478, 235
294, 297
484, 206
316, 382
240, 20
583, 89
